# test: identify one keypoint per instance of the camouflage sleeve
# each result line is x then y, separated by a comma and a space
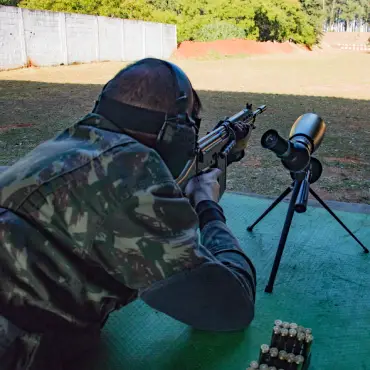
207, 282
3, 168
219, 294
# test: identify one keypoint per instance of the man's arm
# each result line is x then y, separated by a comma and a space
209, 283
219, 240
218, 294
3, 168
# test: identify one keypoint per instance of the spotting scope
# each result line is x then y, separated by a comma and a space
305, 138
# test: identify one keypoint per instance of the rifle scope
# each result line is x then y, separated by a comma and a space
305, 138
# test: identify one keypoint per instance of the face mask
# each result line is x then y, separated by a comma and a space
177, 143
177, 136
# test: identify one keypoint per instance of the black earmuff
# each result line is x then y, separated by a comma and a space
180, 129
97, 101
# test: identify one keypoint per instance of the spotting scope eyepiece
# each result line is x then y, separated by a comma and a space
305, 138
273, 141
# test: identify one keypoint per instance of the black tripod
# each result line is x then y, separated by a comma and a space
298, 203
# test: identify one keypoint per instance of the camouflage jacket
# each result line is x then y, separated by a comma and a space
92, 220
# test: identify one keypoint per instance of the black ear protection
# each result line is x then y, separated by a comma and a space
177, 132
181, 128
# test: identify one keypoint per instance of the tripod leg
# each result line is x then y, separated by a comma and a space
272, 206
284, 236
337, 218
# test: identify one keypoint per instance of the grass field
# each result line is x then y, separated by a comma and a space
334, 85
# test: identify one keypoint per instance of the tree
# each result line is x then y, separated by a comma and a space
163, 5
351, 10
9, 2
315, 10
278, 20
347, 10
283, 21
220, 30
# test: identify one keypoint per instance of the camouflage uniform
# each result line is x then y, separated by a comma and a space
92, 220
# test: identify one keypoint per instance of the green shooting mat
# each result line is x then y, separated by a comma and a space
323, 283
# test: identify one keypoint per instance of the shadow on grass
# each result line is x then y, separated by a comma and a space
47, 108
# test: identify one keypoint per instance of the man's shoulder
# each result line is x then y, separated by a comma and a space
84, 151
127, 151
140, 160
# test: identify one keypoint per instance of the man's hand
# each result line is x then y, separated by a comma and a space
241, 133
204, 187
242, 137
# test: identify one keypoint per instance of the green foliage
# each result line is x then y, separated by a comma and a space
278, 20
164, 5
9, 2
315, 12
347, 10
220, 30
282, 21
130, 9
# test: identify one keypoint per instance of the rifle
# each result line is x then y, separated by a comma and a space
214, 148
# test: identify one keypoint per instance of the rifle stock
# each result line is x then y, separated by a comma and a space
214, 148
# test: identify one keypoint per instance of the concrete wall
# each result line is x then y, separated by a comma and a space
42, 38
12, 48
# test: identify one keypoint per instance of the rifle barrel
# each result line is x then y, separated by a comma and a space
260, 109
236, 117
246, 113
221, 132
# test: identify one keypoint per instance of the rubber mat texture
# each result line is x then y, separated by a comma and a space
323, 283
